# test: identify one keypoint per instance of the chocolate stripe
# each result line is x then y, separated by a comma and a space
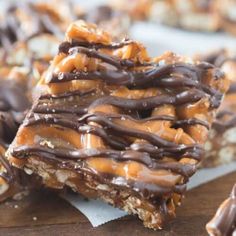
65, 46
224, 222
182, 98
142, 157
8, 174
168, 148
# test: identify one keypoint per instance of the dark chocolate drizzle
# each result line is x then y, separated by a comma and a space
8, 174
224, 222
111, 130
11, 29
66, 154
219, 58
13, 104
221, 124
182, 83
66, 46
156, 76
232, 88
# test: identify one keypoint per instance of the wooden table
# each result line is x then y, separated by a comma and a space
44, 213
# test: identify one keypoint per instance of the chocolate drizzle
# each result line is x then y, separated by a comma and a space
221, 124
218, 58
66, 46
182, 84
226, 118
12, 31
224, 222
165, 148
83, 154
232, 88
150, 102
115, 118
8, 173
157, 76
13, 104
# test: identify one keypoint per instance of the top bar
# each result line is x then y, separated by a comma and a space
115, 124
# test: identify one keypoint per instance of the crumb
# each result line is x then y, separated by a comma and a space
46, 143
35, 218
28, 171
19, 196
16, 206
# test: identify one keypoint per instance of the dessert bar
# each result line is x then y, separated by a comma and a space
113, 123
221, 144
226, 10
193, 15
